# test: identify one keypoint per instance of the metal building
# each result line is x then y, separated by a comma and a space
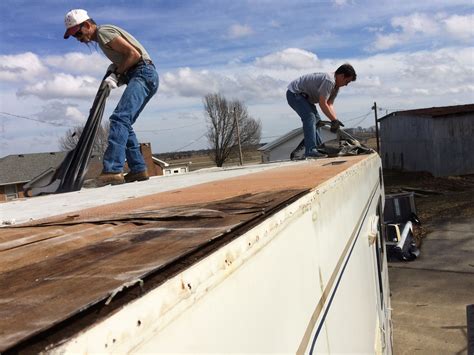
439, 140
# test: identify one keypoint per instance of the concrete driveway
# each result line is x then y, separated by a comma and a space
430, 294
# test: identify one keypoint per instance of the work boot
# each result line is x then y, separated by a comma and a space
141, 176
109, 179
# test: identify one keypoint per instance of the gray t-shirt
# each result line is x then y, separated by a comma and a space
106, 33
314, 85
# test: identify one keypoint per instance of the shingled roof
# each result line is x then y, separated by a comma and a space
21, 168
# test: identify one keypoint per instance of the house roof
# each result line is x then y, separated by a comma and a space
434, 112
160, 162
282, 139
20, 168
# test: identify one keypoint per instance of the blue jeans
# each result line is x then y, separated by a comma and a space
142, 84
310, 117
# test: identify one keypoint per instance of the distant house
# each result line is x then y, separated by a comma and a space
157, 166
19, 169
281, 148
439, 140
16, 170
173, 168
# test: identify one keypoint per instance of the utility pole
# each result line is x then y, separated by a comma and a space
236, 121
376, 127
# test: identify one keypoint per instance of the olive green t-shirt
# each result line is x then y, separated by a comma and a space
106, 33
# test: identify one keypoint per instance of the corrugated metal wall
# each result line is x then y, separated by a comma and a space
441, 146
454, 137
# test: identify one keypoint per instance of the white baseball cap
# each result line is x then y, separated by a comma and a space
73, 20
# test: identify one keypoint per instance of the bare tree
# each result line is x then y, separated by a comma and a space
70, 139
222, 117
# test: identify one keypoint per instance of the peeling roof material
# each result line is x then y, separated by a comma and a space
55, 269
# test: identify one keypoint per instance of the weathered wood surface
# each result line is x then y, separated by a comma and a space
54, 269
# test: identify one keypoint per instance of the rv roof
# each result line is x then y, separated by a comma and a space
82, 247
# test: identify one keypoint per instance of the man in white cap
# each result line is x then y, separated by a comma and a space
131, 65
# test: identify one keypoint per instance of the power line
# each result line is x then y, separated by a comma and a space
192, 142
36, 120
63, 125
167, 129
362, 120
355, 118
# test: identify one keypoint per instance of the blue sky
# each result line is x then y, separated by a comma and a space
408, 54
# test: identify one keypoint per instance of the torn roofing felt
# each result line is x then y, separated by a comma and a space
104, 254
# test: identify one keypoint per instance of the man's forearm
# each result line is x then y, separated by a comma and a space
328, 110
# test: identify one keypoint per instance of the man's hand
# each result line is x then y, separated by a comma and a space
112, 81
335, 125
112, 68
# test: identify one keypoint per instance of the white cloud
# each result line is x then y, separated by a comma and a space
369, 81
418, 78
61, 113
407, 28
416, 23
21, 67
419, 26
461, 27
421, 91
246, 85
238, 30
188, 83
383, 42
73, 113
392, 75
79, 63
62, 86
399, 80
289, 58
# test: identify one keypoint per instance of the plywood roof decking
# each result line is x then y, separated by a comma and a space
55, 268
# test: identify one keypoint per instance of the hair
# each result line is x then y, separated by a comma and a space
347, 70
94, 45
91, 21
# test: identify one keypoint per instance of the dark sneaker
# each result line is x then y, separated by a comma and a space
109, 179
141, 176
